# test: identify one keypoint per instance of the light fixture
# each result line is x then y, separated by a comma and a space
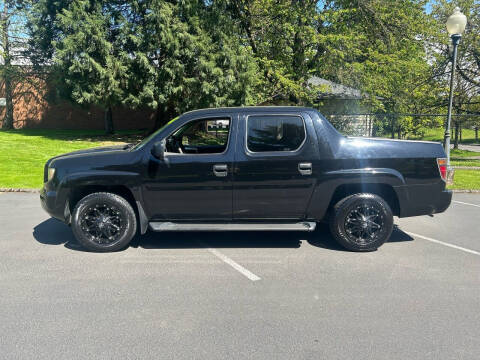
456, 22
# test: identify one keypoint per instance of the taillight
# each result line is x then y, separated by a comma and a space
442, 167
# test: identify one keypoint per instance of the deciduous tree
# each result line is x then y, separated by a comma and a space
13, 63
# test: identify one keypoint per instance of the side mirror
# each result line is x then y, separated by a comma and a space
158, 150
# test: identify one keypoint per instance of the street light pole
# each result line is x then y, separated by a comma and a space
456, 24
455, 41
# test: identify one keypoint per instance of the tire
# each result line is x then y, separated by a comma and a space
361, 222
104, 222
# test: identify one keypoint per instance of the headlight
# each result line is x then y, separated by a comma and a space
51, 172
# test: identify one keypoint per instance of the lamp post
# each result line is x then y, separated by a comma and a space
455, 26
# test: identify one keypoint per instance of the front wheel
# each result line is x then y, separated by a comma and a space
361, 222
104, 222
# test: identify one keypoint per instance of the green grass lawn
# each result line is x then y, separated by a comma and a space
23, 153
465, 162
457, 153
464, 158
466, 180
436, 134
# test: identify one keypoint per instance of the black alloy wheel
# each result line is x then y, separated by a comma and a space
104, 222
361, 222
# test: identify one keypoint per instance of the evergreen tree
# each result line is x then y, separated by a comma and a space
185, 55
174, 56
171, 56
90, 55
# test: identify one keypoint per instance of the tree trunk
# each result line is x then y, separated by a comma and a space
7, 123
393, 127
7, 70
164, 114
476, 134
108, 120
460, 134
457, 130
160, 117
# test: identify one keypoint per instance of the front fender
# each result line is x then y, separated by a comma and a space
101, 177
65, 186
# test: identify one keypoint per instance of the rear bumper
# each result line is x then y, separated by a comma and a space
425, 200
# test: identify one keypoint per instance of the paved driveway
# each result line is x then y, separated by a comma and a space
240, 295
472, 147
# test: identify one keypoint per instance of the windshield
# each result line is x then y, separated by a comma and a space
152, 135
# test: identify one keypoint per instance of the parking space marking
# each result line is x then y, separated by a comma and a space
444, 243
233, 264
464, 203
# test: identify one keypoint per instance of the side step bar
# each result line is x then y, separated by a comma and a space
171, 226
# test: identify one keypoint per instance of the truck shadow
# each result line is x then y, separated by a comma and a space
54, 232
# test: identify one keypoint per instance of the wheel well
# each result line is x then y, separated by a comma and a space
80, 192
385, 191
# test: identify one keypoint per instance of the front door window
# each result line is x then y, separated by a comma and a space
206, 136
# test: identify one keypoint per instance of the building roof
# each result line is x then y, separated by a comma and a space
18, 57
335, 91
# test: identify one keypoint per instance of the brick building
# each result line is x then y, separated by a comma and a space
31, 110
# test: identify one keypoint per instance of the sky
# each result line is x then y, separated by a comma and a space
428, 8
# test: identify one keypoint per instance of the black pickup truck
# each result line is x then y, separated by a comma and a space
247, 168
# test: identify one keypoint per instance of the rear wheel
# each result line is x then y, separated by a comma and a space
361, 222
104, 222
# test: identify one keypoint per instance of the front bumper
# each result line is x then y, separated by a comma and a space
50, 203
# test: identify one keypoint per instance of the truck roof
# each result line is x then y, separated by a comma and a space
266, 109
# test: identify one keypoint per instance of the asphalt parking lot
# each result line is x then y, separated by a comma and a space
240, 295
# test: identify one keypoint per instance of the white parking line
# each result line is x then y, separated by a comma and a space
464, 203
233, 264
444, 243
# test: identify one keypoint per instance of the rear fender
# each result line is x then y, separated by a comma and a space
331, 180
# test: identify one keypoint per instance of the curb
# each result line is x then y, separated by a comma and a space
466, 191
19, 190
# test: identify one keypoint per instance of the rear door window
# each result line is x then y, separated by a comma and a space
267, 133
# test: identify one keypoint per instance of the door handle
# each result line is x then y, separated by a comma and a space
220, 170
305, 168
